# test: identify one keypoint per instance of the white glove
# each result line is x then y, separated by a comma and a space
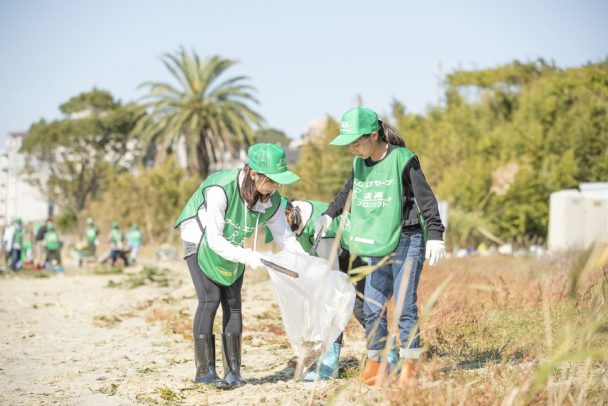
435, 252
322, 224
252, 259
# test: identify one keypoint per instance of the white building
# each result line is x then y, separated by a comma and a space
18, 198
578, 218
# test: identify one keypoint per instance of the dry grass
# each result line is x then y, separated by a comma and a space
174, 322
509, 331
504, 331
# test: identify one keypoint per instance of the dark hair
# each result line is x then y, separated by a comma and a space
294, 216
249, 192
390, 135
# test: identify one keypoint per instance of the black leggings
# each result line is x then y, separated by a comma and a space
210, 295
118, 254
344, 263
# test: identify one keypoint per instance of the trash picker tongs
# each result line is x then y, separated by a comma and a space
280, 269
315, 244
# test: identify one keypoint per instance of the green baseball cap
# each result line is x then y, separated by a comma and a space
269, 160
355, 123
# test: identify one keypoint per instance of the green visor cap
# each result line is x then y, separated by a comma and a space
269, 160
355, 123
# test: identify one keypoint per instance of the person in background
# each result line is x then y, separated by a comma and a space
27, 254
16, 244
221, 214
91, 232
395, 214
53, 245
134, 238
38, 239
7, 243
117, 245
41, 253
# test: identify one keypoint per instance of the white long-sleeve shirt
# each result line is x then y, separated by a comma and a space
212, 218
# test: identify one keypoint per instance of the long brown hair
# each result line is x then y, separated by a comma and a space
249, 192
390, 135
294, 216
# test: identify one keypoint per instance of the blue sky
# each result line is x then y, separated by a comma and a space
307, 59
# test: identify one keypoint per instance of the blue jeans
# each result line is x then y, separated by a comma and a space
398, 278
133, 255
15, 259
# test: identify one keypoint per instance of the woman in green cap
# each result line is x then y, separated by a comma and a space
223, 212
92, 233
134, 238
394, 213
16, 244
53, 245
116, 238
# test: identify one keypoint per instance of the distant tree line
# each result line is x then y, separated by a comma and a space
502, 141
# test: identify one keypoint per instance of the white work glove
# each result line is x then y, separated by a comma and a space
252, 259
322, 224
435, 252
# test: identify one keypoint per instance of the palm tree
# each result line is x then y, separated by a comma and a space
214, 118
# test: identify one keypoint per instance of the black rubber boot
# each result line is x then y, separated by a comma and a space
204, 359
231, 346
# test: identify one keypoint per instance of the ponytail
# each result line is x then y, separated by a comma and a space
294, 216
390, 135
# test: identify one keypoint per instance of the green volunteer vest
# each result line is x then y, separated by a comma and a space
377, 204
26, 249
18, 236
307, 236
91, 232
240, 223
115, 236
346, 231
51, 240
135, 237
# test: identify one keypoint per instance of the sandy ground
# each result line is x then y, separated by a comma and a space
70, 339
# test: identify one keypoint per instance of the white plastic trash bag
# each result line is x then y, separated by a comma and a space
315, 307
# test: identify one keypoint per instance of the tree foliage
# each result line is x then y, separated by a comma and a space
214, 117
549, 123
505, 139
323, 169
72, 159
272, 136
150, 199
